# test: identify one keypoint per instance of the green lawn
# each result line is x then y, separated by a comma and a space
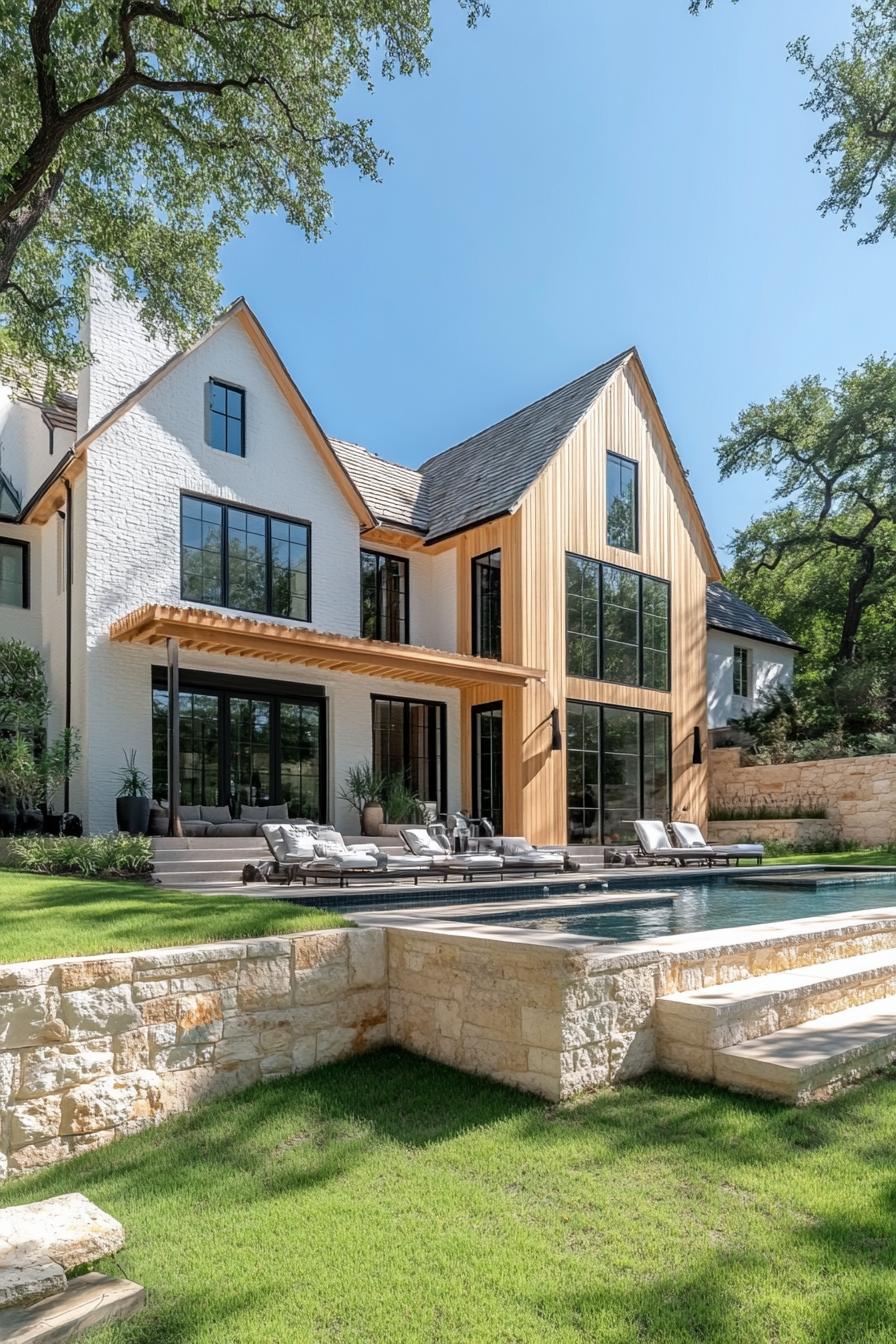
70, 916
390, 1199
860, 856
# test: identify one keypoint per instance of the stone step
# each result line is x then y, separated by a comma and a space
812, 1061
694, 1024
89, 1301
40, 1241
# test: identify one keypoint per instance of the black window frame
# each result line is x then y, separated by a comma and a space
406, 618
476, 565
635, 465
601, 706
25, 548
225, 688
210, 411
226, 605
745, 658
438, 768
476, 711
602, 566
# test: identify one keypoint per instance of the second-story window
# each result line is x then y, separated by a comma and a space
226, 418
384, 597
743, 680
617, 624
487, 605
236, 557
622, 502
13, 573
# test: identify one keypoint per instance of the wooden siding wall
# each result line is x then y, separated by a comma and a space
565, 511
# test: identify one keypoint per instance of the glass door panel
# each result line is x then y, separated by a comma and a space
300, 758
200, 744
250, 751
488, 764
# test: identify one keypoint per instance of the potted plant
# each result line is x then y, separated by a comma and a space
401, 806
363, 790
132, 803
55, 766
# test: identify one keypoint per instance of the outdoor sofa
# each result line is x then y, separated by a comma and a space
216, 821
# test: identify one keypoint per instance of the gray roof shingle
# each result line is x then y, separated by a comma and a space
391, 492
724, 611
488, 474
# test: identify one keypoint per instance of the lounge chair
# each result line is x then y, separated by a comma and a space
690, 836
655, 845
291, 846
519, 856
436, 847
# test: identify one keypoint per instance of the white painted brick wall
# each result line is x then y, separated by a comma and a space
772, 668
136, 473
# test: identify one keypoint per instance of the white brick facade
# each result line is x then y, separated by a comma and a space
127, 540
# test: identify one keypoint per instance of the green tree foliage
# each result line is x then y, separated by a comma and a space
140, 135
822, 560
853, 89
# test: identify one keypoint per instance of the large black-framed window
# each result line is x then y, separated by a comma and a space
618, 768
226, 417
622, 502
486, 610
231, 556
14, 573
244, 741
488, 763
409, 740
385, 597
618, 624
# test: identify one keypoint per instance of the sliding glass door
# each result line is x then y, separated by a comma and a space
242, 744
618, 768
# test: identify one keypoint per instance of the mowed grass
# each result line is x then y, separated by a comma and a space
885, 857
71, 916
391, 1199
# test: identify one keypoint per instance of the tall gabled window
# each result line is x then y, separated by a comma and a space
226, 418
617, 624
384, 597
235, 557
13, 573
622, 502
743, 677
487, 605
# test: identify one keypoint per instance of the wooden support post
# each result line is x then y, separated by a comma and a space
174, 824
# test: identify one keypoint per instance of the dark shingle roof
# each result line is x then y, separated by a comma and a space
390, 491
488, 474
724, 611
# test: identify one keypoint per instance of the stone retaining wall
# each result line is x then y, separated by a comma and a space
858, 792
95, 1047
796, 831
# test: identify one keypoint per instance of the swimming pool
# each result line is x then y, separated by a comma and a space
719, 902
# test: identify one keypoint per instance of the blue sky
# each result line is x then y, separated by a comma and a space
570, 179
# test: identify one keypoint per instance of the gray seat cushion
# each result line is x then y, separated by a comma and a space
218, 816
236, 828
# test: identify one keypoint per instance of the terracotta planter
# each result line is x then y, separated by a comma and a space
371, 819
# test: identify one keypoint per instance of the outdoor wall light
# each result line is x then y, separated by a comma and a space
556, 738
697, 757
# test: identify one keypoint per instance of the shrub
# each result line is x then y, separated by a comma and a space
827, 844
111, 855
759, 808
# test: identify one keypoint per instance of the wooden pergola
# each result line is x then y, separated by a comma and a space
202, 631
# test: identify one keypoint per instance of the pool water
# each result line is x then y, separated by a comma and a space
717, 904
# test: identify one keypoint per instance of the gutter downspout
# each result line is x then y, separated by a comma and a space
69, 560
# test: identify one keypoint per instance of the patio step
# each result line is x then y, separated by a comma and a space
693, 1026
812, 1061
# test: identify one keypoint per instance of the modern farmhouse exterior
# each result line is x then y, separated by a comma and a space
519, 626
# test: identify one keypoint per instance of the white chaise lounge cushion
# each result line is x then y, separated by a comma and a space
653, 836
690, 836
425, 846
288, 844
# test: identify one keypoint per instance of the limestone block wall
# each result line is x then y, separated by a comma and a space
858, 792
95, 1047
538, 1017
794, 830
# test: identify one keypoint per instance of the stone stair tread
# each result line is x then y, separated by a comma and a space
89, 1301
824, 1041
734, 995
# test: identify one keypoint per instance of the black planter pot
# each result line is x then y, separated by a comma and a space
52, 823
132, 815
31, 820
7, 821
